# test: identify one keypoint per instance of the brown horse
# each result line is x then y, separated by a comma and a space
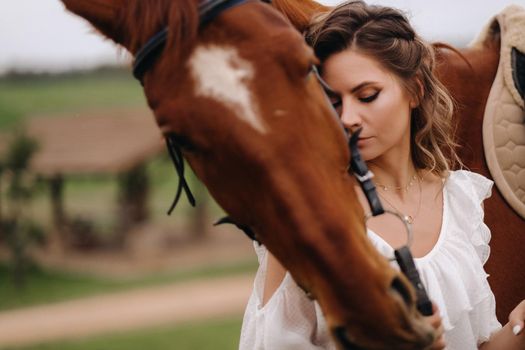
237, 96
468, 74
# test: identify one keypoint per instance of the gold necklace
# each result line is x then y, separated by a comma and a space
410, 218
399, 188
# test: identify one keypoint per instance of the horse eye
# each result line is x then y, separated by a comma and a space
312, 71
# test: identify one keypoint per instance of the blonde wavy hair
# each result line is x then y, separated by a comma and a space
386, 35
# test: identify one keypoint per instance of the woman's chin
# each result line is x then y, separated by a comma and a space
368, 154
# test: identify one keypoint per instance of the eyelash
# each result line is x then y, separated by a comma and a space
337, 103
370, 98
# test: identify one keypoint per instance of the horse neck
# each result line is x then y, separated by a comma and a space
469, 84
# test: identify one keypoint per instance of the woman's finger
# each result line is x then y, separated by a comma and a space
435, 321
516, 318
439, 344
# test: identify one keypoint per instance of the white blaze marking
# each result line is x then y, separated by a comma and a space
220, 73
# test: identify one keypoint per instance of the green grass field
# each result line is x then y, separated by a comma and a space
210, 335
22, 97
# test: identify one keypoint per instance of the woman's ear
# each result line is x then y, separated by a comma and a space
414, 102
416, 98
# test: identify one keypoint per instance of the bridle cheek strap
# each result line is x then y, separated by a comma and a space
403, 256
364, 176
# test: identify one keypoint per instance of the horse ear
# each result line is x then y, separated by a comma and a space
299, 12
102, 14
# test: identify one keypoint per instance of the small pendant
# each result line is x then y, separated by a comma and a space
410, 219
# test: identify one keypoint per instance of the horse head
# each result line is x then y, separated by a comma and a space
236, 93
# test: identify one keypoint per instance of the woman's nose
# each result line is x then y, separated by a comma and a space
350, 117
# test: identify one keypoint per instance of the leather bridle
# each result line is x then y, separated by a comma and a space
149, 53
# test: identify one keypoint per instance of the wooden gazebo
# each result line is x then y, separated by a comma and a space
110, 142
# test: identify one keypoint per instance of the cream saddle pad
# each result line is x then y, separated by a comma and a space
504, 119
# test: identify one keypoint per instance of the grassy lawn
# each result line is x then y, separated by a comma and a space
25, 96
45, 286
213, 335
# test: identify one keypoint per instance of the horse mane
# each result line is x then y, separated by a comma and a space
143, 18
299, 13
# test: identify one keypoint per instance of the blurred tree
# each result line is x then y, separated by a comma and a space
133, 195
17, 229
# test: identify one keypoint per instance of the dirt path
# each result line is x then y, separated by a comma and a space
126, 310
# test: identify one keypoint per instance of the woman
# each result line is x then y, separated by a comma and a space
381, 80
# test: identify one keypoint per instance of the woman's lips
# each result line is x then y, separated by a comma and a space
362, 140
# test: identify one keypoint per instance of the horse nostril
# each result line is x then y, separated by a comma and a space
402, 289
343, 338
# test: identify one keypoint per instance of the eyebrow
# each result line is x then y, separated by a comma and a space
362, 85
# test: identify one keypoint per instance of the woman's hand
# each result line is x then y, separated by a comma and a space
511, 336
517, 318
435, 322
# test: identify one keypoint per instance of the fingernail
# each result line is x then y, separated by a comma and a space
516, 329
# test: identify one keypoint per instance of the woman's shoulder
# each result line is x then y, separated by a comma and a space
465, 192
474, 185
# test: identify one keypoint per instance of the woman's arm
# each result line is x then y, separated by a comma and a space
275, 273
506, 338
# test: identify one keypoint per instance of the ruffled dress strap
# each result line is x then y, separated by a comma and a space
455, 274
470, 190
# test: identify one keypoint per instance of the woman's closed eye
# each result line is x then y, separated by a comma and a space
369, 97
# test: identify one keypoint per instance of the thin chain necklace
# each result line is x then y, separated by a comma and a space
399, 188
410, 218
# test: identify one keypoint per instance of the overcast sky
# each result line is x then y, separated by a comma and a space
40, 35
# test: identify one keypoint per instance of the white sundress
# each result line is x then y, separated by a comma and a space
452, 273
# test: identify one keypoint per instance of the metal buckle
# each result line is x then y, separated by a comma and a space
368, 176
404, 219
